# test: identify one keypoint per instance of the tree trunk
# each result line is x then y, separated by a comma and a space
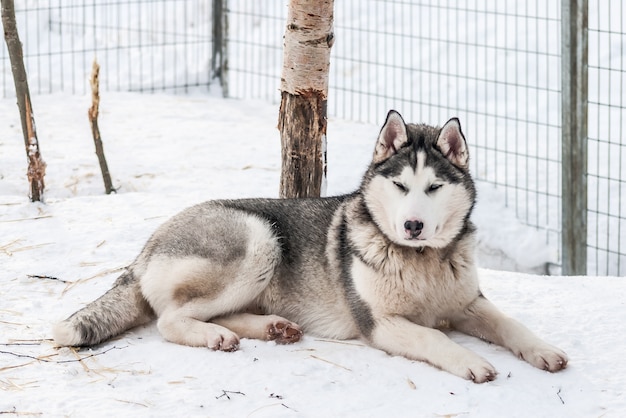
36, 165
95, 131
304, 89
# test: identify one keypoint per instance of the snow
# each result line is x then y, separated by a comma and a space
168, 152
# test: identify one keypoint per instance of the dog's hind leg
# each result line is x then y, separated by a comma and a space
189, 292
204, 294
185, 326
262, 327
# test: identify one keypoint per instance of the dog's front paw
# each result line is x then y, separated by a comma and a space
481, 372
284, 332
223, 341
474, 368
546, 357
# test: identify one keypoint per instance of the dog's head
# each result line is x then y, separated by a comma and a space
418, 188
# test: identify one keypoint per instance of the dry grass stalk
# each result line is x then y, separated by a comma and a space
133, 403
11, 385
10, 323
37, 341
21, 413
27, 219
2, 369
357, 344
80, 360
31, 247
102, 273
330, 362
6, 247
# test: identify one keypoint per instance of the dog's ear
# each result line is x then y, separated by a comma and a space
452, 143
392, 136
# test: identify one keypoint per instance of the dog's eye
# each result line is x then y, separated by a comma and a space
400, 186
434, 187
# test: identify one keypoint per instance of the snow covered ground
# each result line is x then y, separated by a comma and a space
168, 152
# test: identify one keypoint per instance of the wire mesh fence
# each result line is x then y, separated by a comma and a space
255, 48
497, 66
494, 64
606, 235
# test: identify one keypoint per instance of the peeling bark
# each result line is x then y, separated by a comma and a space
304, 89
95, 131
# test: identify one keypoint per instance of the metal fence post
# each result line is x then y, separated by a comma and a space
574, 136
219, 61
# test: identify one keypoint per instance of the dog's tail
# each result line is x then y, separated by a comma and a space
121, 308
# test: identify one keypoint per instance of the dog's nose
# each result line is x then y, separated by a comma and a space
414, 228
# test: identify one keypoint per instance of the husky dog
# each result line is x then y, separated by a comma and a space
389, 264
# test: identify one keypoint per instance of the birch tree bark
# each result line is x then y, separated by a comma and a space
36, 165
304, 90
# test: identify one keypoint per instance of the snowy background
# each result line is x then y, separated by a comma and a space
168, 152
496, 65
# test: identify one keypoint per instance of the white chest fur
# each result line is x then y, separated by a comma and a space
426, 287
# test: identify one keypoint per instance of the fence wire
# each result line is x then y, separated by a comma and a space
137, 44
607, 138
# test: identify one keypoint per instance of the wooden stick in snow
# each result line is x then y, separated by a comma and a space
36, 165
93, 121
